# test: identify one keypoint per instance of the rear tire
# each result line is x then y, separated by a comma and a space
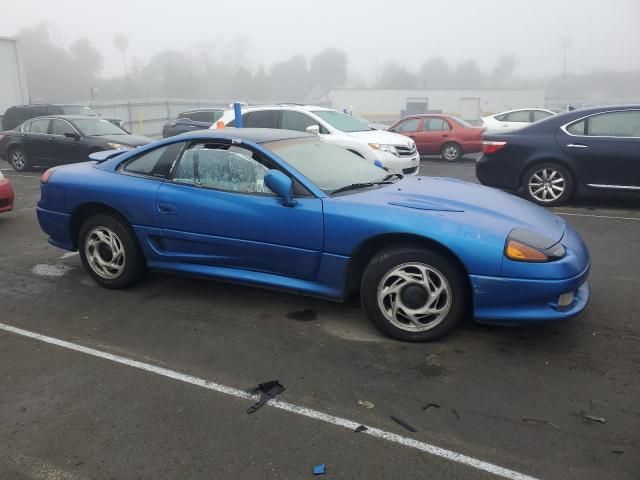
413, 294
548, 184
451, 152
18, 160
110, 252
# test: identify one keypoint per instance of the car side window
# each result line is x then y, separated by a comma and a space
435, 125
60, 127
521, 116
40, 126
297, 121
221, 168
577, 128
615, 124
539, 115
261, 119
157, 163
410, 125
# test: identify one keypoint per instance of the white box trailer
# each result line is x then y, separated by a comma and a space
13, 83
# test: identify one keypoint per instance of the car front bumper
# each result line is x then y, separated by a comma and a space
515, 300
402, 165
6, 196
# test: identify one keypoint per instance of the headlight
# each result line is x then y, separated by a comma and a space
385, 148
118, 146
526, 246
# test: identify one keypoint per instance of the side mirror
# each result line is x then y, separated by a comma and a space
313, 129
282, 185
75, 136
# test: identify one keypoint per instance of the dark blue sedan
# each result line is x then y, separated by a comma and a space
578, 152
286, 210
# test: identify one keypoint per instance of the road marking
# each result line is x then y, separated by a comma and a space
288, 407
597, 216
24, 176
70, 254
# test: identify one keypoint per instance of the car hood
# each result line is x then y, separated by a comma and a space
131, 140
383, 137
474, 205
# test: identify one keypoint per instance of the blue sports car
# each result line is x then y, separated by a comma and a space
286, 210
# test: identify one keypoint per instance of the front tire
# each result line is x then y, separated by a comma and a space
548, 184
18, 160
451, 152
110, 252
413, 294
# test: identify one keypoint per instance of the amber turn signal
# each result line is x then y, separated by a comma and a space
524, 253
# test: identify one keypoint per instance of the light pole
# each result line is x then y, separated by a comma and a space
566, 43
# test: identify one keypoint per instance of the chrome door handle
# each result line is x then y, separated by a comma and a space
577, 145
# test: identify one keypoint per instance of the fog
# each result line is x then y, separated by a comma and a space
384, 43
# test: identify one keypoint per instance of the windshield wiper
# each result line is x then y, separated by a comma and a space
356, 186
399, 176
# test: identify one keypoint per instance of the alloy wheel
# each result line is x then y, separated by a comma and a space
414, 297
18, 160
547, 185
105, 252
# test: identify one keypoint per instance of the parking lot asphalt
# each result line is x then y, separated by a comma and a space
553, 401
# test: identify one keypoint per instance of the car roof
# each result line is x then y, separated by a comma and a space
70, 117
285, 106
205, 109
255, 135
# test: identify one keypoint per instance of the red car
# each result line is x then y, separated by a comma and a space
6, 194
437, 134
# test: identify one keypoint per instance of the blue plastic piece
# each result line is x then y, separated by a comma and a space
319, 469
378, 163
237, 109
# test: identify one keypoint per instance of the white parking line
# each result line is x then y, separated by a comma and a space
289, 407
70, 254
597, 216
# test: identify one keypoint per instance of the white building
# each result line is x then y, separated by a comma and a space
388, 105
13, 85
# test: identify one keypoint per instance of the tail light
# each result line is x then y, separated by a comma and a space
47, 174
492, 147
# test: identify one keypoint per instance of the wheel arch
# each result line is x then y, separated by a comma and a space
365, 251
86, 210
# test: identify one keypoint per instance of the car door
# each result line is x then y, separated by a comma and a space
66, 149
411, 127
216, 212
36, 141
605, 149
435, 132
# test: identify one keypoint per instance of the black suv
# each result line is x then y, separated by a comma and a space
14, 116
191, 120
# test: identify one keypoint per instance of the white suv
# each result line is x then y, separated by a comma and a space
514, 119
396, 153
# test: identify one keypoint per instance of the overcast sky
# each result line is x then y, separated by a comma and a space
603, 33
